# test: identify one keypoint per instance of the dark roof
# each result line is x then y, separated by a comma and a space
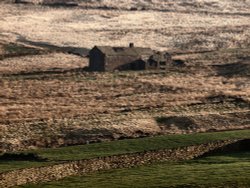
124, 51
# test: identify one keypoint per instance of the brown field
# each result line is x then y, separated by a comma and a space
47, 99
165, 25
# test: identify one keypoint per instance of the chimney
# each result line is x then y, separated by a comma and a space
131, 45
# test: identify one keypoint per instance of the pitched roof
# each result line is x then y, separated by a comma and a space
124, 51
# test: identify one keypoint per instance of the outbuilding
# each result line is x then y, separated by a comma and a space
107, 58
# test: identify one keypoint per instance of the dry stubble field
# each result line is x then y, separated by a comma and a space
48, 100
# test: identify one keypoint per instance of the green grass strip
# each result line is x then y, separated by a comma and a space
225, 170
71, 153
138, 145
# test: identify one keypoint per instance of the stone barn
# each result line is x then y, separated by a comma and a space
159, 60
107, 58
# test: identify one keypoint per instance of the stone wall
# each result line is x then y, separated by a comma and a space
43, 2
81, 167
28, 1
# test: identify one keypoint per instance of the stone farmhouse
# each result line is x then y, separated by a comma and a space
107, 58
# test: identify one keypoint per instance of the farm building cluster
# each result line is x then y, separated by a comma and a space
107, 58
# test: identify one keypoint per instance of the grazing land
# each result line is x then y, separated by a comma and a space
54, 110
221, 170
54, 164
63, 154
51, 107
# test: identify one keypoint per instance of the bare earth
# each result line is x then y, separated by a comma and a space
48, 100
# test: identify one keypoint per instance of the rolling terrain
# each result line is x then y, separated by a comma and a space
51, 106
49, 100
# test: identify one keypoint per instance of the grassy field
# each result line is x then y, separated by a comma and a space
222, 170
121, 147
48, 100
